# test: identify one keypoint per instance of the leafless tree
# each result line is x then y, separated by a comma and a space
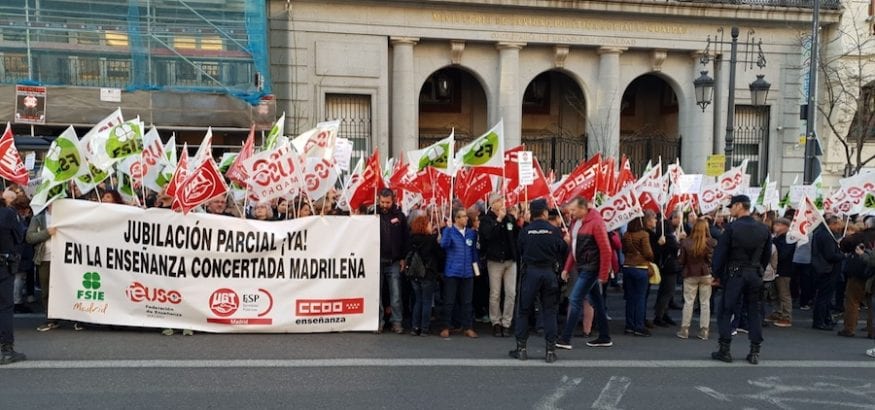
847, 100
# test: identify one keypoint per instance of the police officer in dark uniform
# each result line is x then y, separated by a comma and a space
541, 247
742, 253
11, 236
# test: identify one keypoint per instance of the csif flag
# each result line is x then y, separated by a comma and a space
438, 155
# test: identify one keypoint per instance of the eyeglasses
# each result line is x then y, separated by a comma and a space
461, 216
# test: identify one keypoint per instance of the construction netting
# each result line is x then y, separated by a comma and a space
187, 45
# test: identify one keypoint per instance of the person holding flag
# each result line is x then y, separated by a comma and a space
741, 255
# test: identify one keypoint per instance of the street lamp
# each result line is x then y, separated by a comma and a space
704, 86
704, 89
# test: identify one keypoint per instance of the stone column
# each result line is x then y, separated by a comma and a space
604, 132
721, 94
405, 134
510, 102
696, 127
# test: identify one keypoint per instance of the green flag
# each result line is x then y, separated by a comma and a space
64, 160
275, 132
438, 155
485, 151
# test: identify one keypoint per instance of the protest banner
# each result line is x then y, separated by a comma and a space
122, 265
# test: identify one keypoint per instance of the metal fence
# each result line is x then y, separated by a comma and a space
751, 140
556, 152
642, 148
354, 113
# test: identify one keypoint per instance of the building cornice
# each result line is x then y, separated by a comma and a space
710, 12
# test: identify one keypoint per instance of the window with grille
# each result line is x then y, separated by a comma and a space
752, 140
354, 113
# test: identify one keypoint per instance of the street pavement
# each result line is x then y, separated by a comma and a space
800, 368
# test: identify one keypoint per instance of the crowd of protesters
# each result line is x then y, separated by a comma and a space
445, 269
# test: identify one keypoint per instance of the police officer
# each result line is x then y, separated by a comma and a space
541, 247
742, 253
11, 236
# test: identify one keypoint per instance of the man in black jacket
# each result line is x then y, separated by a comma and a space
11, 236
825, 262
498, 233
394, 239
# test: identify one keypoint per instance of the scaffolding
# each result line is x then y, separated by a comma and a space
212, 46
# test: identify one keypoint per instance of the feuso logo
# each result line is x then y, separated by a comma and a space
91, 283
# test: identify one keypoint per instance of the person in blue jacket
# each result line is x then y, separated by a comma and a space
460, 245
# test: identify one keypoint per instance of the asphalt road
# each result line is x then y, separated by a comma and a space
800, 368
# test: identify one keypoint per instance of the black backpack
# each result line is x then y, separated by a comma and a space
415, 267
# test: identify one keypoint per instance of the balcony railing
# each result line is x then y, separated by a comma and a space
824, 4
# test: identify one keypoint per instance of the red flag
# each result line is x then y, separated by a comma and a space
606, 180
511, 169
179, 174
237, 172
538, 189
626, 177
647, 202
11, 166
204, 184
475, 186
581, 181
371, 182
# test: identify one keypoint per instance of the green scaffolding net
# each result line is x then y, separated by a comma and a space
215, 46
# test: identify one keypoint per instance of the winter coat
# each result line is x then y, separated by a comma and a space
461, 252
591, 251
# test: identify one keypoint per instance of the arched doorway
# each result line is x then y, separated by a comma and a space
451, 99
649, 122
554, 121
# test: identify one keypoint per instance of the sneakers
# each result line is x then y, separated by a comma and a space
783, 323
642, 333
742, 330
562, 344
703, 333
187, 332
45, 327
600, 342
168, 332
804, 307
683, 333
78, 326
871, 352
471, 333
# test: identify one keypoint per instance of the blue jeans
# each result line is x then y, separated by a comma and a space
459, 292
423, 297
635, 281
586, 285
391, 274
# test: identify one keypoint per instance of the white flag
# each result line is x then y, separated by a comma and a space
485, 151
438, 155
807, 218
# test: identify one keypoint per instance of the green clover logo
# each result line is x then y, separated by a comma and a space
91, 280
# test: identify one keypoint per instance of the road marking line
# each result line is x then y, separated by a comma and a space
612, 394
294, 363
549, 401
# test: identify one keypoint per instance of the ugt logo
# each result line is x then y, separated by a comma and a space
91, 283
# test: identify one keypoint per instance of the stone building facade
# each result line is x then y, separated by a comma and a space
568, 78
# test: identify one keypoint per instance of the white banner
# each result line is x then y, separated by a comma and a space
122, 265
619, 209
